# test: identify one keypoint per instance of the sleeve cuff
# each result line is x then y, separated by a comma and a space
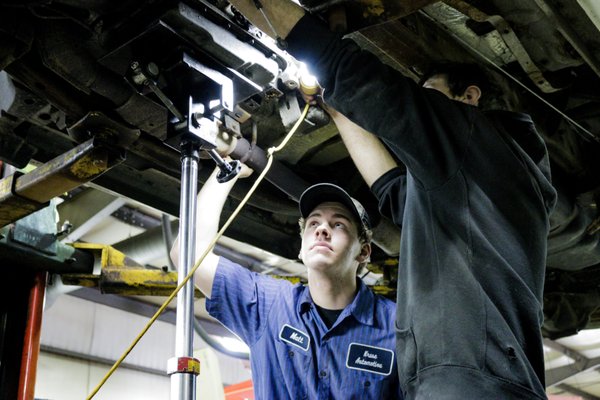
381, 183
225, 269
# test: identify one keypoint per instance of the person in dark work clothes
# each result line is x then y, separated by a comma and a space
332, 339
474, 210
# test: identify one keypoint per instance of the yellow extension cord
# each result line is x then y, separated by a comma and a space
270, 153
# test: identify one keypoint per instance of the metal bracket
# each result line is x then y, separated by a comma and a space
226, 100
205, 131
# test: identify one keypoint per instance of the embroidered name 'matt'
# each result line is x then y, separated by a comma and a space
294, 336
297, 338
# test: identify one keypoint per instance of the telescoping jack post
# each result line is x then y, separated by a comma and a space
200, 134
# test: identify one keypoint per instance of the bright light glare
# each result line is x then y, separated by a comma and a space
306, 77
234, 344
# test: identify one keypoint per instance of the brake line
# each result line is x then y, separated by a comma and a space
270, 152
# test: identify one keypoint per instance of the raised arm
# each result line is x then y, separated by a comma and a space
211, 199
370, 156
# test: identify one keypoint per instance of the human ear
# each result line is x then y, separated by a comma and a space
365, 253
472, 95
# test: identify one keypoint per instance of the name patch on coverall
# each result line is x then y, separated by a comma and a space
294, 337
370, 358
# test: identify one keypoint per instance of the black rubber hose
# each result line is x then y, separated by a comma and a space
167, 238
215, 344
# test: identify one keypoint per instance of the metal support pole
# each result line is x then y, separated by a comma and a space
183, 368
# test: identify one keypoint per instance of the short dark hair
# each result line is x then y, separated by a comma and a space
459, 76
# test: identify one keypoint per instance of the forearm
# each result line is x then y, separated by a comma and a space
210, 202
283, 14
371, 157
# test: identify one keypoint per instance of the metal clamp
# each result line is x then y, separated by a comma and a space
183, 365
205, 131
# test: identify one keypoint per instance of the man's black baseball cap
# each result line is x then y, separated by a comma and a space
323, 192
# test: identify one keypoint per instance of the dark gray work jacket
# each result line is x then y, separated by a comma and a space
474, 212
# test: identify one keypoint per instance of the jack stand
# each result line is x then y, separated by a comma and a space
200, 135
183, 368
199, 131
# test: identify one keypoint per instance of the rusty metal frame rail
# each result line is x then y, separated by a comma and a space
23, 194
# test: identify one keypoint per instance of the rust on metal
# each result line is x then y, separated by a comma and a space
13, 206
67, 171
139, 281
364, 13
23, 194
85, 280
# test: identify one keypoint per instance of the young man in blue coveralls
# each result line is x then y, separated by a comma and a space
473, 207
332, 339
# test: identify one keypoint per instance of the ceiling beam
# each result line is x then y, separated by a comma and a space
556, 376
578, 392
86, 210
